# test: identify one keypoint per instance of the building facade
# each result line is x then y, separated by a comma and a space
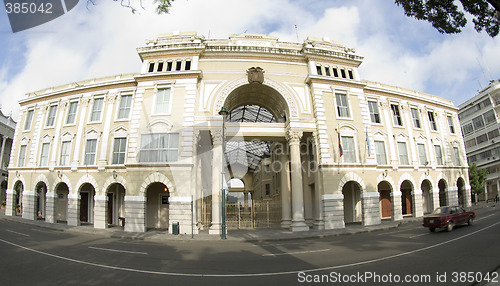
312, 144
479, 119
7, 128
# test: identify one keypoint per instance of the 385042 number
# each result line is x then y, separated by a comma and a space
28, 8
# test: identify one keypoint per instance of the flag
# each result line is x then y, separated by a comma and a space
367, 140
341, 152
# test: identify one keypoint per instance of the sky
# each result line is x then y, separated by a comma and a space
98, 40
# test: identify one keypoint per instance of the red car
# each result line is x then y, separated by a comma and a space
447, 217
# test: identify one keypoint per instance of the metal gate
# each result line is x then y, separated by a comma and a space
261, 214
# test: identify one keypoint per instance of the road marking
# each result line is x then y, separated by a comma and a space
293, 253
248, 274
419, 235
115, 250
277, 244
485, 217
393, 232
17, 232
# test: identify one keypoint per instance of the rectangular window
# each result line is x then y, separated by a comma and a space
187, 65
380, 152
422, 155
450, 124
169, 66
432, 121
318, 70
396, 115
467, 128
349, 153
65, 147
119, 150
478, 122
470, 143
160, 67
159, 147
22, 156
493, 134
162, 104
51, 118
481, 138
439, 154
342, 72
416, 118
44, 156
335, 72
29, 119
351, 75
268, 189
342, 105
70, 119
457, 156
403, 154
151, 67
489, 116
327, 71
97, 110
125, 105
90, 151
178, 65
374, 114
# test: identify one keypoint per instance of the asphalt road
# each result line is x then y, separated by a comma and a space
32, 255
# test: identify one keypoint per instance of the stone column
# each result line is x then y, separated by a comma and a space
298, 222
135, 213
29, 201
397, 208
216, 181
319, 222
10, 202
370, 208
333, 211
245, 206
452, 196
180, 211
73, 216
434, 199
101, 212
50, 207
467, 196
417, 201
286, 194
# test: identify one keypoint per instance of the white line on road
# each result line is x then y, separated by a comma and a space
115, 250
298, 252
419, 235
17, 232
277, 244
485, 217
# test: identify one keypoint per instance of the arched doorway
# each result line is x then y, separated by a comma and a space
157, 206
385, 189
116, 203
461, 191
406, 198
18, 200
442, 193
61, 204
427, 201
87, 193
40, 200
352, 202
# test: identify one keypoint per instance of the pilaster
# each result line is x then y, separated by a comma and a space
135, 210
100, 212
418, 208
29, 199
50, 207
370, 208
10, 203
73, 217
397, 208
333, 211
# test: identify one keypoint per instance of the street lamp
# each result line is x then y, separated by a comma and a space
224, 114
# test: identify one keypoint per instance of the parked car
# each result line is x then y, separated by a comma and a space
447, 217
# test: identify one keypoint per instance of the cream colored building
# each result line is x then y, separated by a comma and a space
148, 147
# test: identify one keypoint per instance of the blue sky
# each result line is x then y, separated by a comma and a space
102, 40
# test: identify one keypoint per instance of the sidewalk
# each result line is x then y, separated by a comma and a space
248, 235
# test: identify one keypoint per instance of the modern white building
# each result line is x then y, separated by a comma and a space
309, 142
479, 119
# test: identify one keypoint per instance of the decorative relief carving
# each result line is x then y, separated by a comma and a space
293, 136
255, 75
216, 136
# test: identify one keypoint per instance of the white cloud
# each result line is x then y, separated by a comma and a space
103, 39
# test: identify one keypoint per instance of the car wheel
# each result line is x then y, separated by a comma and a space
432, 229
449, 226
470, 221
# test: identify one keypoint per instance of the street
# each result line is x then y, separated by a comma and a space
34, 255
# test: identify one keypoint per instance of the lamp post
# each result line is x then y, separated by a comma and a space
224, 114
